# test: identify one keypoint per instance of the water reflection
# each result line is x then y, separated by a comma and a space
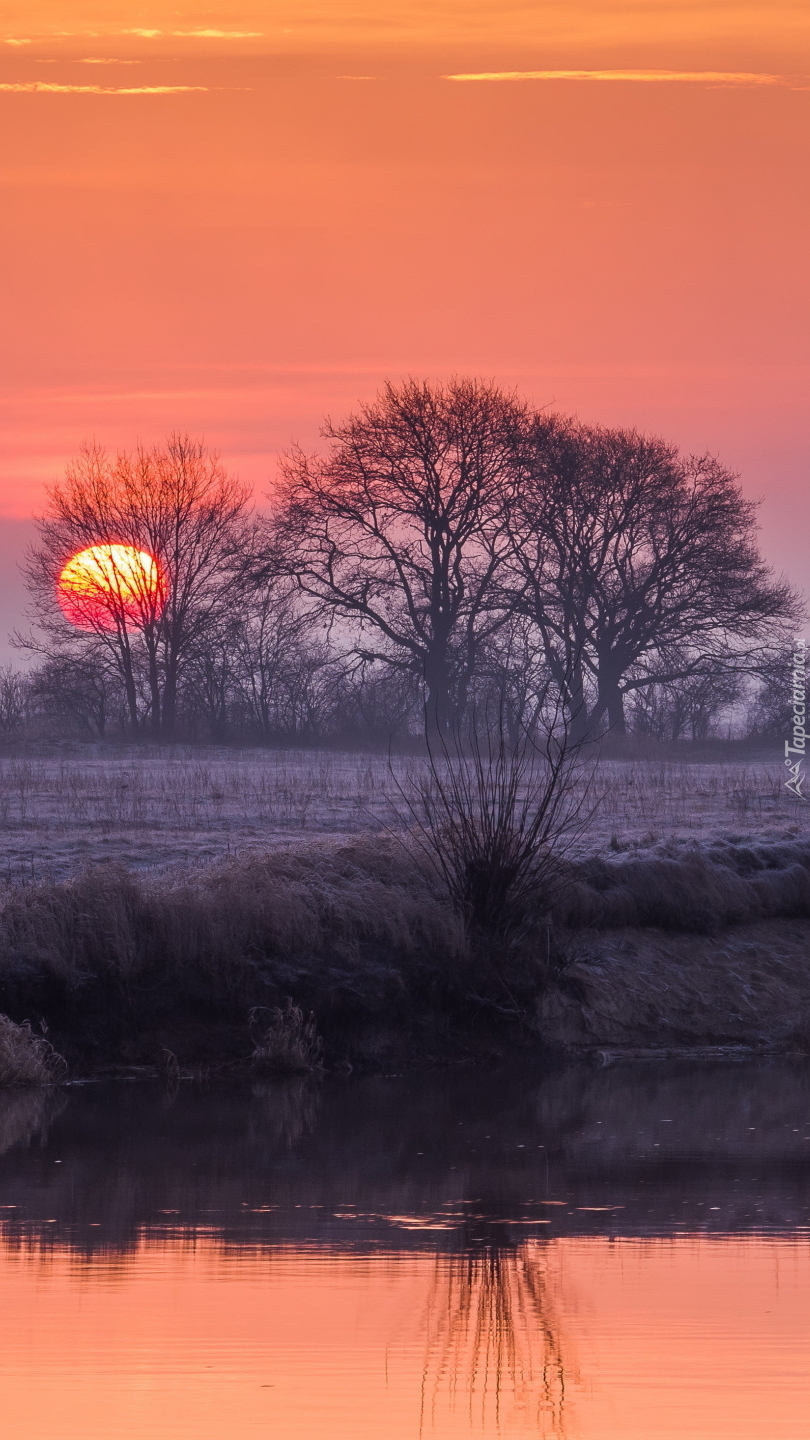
401, 1163
26, 1115
494, 1334
590, 1253
283, 1112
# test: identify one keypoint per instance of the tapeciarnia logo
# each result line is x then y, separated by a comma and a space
798, 746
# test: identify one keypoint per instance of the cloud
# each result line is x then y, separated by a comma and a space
197, 34
15, 41
693, 77
220, 34
106, 60
41, 87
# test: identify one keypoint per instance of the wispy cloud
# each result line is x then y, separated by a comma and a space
106, 60
648, 77
142, 33
196, 34
219, 34
41, 87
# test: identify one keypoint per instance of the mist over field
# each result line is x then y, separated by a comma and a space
149, 809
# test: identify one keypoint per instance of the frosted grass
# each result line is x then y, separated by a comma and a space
150, 808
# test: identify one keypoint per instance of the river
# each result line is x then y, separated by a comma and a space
592, 1254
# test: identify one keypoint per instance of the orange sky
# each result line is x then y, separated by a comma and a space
253, 237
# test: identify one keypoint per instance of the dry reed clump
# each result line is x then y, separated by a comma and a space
344, 905
26, 1058
361, 908
77, 928
350, 905
289, 1042
125, 967
700, 892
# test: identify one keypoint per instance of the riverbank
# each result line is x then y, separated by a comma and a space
222, 966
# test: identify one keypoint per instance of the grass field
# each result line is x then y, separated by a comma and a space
152, 808
248, 889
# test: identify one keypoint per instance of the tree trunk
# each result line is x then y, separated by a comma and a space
610, 700
129, 684
615, 712
155, 717
438, 708
579, 722
169, 715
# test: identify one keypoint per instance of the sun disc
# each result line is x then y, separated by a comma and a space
110, 584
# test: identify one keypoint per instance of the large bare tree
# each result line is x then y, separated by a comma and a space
178, 504
639, 567
399, 527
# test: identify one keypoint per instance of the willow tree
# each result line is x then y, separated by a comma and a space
400, 529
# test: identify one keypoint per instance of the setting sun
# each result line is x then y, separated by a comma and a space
106, 585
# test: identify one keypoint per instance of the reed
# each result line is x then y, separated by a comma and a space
288, 1041
26, 1058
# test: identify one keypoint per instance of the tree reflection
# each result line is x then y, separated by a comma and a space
494, 1333
26, 1115
284, 1110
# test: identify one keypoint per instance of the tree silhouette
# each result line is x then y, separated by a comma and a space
177, 504
399, 528
639, 567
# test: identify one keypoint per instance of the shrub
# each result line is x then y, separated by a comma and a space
492, 817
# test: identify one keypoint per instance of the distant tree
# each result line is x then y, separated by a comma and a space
377, 702
177, 504
769, 714
512, 679
281, 661
639, 568
79, 692
209, 680
399, 528
687, 708
15, 699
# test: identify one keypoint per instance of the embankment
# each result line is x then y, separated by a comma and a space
684, 951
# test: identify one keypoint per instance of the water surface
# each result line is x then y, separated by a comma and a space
592, 1253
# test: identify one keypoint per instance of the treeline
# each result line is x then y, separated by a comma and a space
311, 695
449, 548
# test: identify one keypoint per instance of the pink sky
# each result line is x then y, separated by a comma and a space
240, 257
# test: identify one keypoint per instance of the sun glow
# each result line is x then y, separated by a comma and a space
108, 585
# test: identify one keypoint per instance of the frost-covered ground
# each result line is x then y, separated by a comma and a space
145, 808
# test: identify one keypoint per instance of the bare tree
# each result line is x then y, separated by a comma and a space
639, 567
376, 702
209, 679
80, 692
513, 675
15, 697
769, 712
688, 708
176, 504
399, 528
281, 661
